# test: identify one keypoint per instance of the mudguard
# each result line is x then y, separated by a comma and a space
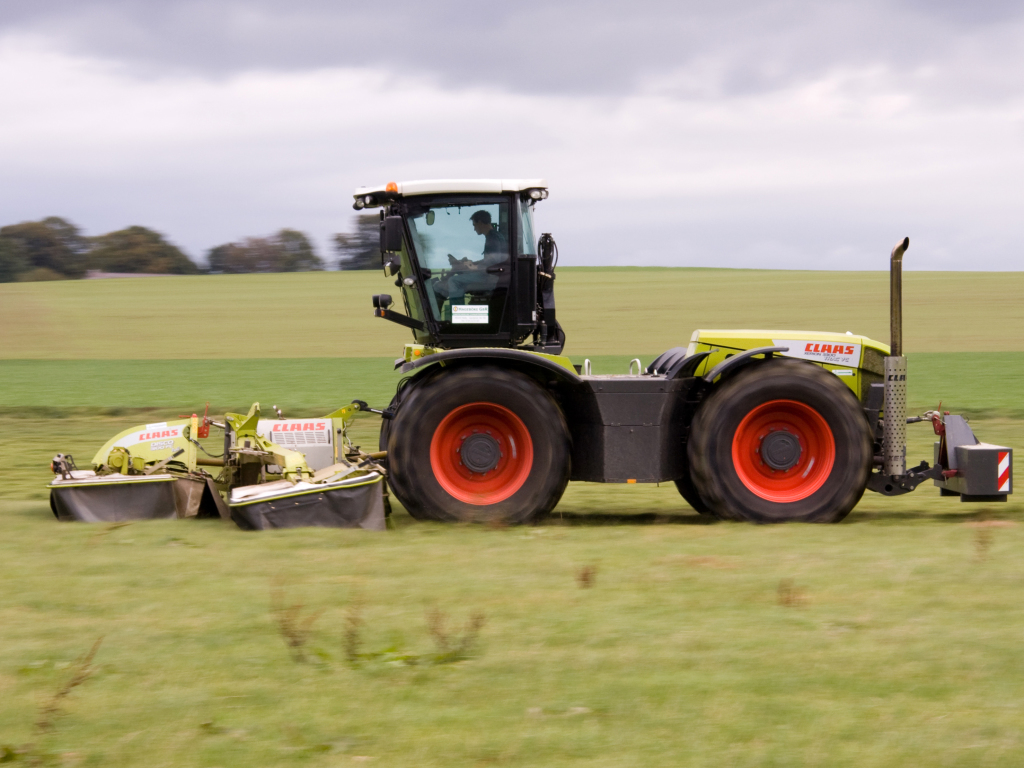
418, 358
856, 360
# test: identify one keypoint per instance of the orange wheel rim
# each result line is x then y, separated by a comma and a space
783, 451
481, 453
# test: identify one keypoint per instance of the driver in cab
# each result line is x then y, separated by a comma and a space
473, 275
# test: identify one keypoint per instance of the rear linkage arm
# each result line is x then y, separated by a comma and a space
897, 485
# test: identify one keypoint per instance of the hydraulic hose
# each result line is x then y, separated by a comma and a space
547, 251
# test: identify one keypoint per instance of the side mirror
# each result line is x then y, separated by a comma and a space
391, 234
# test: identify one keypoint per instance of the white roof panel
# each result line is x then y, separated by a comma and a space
435, 186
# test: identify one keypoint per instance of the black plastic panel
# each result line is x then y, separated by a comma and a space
634, 431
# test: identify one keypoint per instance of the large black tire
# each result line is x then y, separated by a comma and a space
510, 432
691, 495
385, 424
385, 431
783, 441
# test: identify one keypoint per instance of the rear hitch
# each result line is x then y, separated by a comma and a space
897, 485
964, 466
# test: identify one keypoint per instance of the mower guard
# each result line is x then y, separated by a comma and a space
275, 473
91, 498
355, 502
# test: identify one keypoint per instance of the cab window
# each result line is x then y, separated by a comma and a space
464, 252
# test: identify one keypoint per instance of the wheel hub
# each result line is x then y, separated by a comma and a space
783, 451
480, 452
780, 450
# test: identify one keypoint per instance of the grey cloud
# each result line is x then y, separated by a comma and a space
609, 48
692, 111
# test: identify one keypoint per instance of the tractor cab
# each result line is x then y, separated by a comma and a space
470, 268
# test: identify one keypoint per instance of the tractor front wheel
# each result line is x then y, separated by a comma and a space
783, 441
691, 495
478, 444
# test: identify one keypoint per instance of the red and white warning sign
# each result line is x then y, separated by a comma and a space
831, 352
1004, 472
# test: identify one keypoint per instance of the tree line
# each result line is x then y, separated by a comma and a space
55, 249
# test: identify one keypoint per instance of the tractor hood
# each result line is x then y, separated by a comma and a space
858, 360
838, 348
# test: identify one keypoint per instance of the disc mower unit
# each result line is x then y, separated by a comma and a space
146, 472
491, 421
270, 473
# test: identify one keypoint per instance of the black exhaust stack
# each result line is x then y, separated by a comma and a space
894, 439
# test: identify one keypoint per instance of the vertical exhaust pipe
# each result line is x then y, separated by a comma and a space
894, 421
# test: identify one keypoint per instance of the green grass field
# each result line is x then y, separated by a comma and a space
696, 645
605, 311
889, 640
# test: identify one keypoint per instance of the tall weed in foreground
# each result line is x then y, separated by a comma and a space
586, 576
82, 670
789, 595
294, 628
984, 534
32, 754
353, 641
982, 543
453, 646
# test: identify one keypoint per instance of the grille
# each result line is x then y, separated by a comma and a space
295, 439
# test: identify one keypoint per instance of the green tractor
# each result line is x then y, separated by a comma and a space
491, 421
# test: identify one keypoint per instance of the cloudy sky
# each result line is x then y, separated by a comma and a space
782, 133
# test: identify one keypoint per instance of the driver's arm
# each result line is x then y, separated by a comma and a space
463, 265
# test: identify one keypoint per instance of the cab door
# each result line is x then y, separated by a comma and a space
463, 248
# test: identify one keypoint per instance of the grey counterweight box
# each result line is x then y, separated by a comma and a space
974, 471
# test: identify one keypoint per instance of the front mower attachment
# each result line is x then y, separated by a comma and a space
91, 498
350, 502
148, 472
273, 473
310, 483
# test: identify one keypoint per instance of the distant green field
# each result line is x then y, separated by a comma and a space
979, 383
608, 311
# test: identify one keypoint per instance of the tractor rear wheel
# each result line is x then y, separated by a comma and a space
783, 441
478, 444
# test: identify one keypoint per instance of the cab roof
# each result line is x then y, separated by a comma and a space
392, 190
